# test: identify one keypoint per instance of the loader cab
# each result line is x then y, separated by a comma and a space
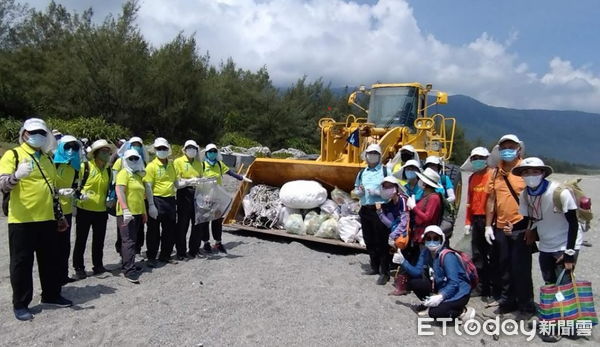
394, 106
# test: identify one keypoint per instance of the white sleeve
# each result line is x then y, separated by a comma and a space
523, 204
567, 200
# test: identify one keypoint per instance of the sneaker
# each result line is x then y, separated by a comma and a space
207, 249
23, 314
133, 277
371, 272
80, 274
100, 270
168, 261
152, 263
180, 257
422, 310
383, 279
586, 243
59, 301
468, 314
219, 248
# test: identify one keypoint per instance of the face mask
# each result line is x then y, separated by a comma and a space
479, 164
136, 166
410, 174
36, 140
388, 193
372, 158
421, 185
138, 149
433, 246
162, 154
406, 157
533, 181
191, 152
212, 156
104, 156
508, 154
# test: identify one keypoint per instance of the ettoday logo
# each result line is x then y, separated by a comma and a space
472, 327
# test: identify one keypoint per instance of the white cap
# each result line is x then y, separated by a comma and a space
374, 147
432, 159
509, 137
210, 146
67, 139
409, 148
35, 124
436, 230
136, 139
480, 151
161, 142
56, 132
430, 177
191, 143
394, 180
130, 153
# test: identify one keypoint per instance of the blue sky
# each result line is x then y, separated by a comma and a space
522, 54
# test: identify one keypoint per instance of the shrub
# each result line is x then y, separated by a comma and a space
237, 139
302, 145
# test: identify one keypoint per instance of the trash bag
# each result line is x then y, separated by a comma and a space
312, 222
348, 228
328, 229
303, 194
350, 208
212, 201
284, 214
329, 207
339, 196
295, 224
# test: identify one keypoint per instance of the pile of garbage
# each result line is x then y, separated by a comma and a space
261, 151
304, 208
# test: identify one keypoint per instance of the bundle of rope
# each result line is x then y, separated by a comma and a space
261, 207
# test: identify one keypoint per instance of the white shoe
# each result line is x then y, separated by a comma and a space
468, 314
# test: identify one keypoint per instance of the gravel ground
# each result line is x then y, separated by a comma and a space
265, 292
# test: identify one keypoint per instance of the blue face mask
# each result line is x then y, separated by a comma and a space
138, 149
410, 174
212, 156
36, 140
479, 164
433, 245
508, 154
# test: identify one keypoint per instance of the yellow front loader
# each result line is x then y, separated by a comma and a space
396, 115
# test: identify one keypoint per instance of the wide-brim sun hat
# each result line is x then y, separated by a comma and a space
430, 177
532, 163
432, 159
394, 180
99, 144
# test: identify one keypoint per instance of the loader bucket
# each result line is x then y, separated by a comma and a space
277, 172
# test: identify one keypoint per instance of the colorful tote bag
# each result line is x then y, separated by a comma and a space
571, 301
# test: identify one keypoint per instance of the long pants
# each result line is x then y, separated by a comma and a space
217, 230
185, 216
25, 240
511, 270
129, 233
140, 237
447, 309
551, 270
97, 221
167, 219
63, 248
481, 251
376, 235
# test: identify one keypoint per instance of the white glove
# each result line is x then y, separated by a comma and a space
451, 199
23, 170
152, 211
359, 191
376, 191
83, 197
66, 191
411, 202
127, 216
467, 230
434, 301
391, 242
246, 179
398, 258
489, 235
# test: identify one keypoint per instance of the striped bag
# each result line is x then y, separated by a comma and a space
571, 301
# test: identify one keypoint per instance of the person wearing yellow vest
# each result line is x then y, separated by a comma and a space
131, 209
188, 169
406, 153
29, 175
95, 178
213, 167
160, 180
137, 144
67, 160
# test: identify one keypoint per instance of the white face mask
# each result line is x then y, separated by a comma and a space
388, 193
421, 185
191, 152
136, 166
533, 181
162, 154
372, 158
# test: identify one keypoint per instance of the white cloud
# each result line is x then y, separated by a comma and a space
350, 44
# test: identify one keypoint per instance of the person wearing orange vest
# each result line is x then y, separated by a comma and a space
477, 195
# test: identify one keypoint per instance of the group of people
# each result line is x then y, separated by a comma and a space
51, 181
511, 213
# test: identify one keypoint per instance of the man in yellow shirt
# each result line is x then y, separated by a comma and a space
95, 181
160, 180
188, 168
29, 175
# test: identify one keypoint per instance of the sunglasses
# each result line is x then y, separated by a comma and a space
432, 238
162, 148
212, 151
133, 158
38, 132
72, 145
